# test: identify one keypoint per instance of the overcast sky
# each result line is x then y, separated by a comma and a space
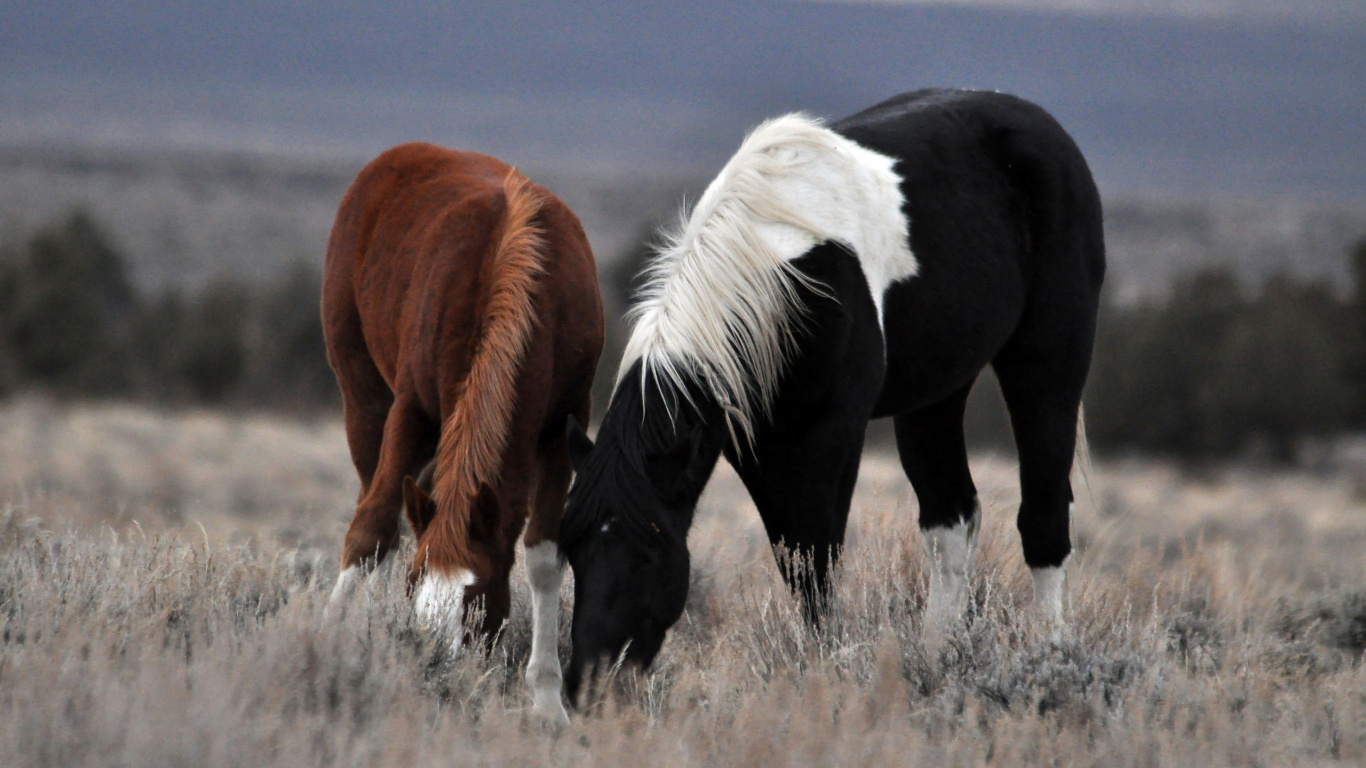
1236, 98
1303, 10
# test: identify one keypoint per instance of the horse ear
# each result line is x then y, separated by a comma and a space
579, 443
418, 504
676, 467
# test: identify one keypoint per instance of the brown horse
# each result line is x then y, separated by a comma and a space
462, 317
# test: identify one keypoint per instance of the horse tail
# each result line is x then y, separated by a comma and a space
470, 453
1081, 461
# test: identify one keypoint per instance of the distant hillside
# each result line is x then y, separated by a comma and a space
185, 218
1151, 239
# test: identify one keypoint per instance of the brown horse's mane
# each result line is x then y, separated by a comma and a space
475, 434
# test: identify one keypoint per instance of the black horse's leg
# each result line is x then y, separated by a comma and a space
1043, 401
802, 483
804, 460
935, 459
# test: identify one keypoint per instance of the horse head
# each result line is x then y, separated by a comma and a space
445, 592
625, 536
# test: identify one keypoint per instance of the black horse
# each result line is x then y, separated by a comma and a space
831, 275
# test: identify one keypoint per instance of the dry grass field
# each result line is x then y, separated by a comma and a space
163, 579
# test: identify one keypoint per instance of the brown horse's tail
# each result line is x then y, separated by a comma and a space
469, 455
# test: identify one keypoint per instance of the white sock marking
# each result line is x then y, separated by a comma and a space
346, 585
544, 574
950, 551
439, 603
1049, 587
1048, 593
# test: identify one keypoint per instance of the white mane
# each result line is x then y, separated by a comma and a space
720, 301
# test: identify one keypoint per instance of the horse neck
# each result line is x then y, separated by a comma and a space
676, 436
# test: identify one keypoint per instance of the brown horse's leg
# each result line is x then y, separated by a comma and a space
366, 397
406, 446
545, 572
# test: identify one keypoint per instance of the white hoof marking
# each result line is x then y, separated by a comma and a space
345, 587
950, 552
1048, 593
346, 584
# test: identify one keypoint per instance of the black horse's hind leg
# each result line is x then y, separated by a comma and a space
934, 456
1043, 396
802, 485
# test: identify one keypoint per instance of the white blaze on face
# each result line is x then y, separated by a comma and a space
544, 573
950, 552
439, 603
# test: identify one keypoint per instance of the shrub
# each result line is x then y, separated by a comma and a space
71, 323
1279, 375
619, 280
1354, 331
155, 347
212, 355
68, 300
291, 363
1214, 371
9, 293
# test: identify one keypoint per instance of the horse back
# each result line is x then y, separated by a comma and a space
411, 258
1005, 221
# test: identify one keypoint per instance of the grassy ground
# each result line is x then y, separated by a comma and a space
163, 578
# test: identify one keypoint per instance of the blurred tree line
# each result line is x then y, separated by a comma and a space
72, 324
1217, 369
1214, 369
